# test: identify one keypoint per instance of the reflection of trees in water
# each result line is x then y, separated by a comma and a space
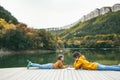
99, 54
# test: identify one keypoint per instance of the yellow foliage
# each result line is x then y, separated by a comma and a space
58, 38
69, 42
12, 26
29, 33
2, 22
77, 42
59, 41
100, 41
7, 26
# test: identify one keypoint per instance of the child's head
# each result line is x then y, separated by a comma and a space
60, 57
76, 54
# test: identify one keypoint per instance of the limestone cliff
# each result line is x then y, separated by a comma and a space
92, 14
100, 11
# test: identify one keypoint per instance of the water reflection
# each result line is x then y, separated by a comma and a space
108, 56
104, 56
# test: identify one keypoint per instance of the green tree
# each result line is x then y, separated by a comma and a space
7, 15
15, 40
48, 40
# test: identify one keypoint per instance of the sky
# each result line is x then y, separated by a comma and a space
52, 13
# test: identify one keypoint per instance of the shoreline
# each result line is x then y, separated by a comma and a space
8, 52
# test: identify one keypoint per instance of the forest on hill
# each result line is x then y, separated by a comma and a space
18, 36
102, 31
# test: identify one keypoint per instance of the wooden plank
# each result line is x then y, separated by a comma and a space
48, 75
7, 73
75, 75
42, 74
61, 75
38, 74
29, 75
56, 74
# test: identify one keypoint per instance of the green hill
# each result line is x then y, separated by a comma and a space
104, 24
7, 15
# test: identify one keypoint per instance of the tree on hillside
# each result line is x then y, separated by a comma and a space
48, 39
7, 15
15, 40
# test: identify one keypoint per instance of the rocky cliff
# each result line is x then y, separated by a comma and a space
92, 14
100, 11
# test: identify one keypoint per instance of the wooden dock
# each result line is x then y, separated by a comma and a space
56, 74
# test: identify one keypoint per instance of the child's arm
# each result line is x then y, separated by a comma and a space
77, 64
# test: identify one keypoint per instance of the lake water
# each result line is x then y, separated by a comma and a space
104, 56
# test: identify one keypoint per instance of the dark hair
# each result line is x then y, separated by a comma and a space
76, 54
60, 56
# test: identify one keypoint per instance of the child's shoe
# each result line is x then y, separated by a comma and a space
29, 64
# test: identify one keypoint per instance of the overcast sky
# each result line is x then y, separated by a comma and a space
52, 13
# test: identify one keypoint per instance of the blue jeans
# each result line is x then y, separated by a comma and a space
43, 66
106, 67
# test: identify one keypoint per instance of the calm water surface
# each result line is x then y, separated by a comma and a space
104, 56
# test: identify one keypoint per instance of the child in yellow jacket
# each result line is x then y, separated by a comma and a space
81, 62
